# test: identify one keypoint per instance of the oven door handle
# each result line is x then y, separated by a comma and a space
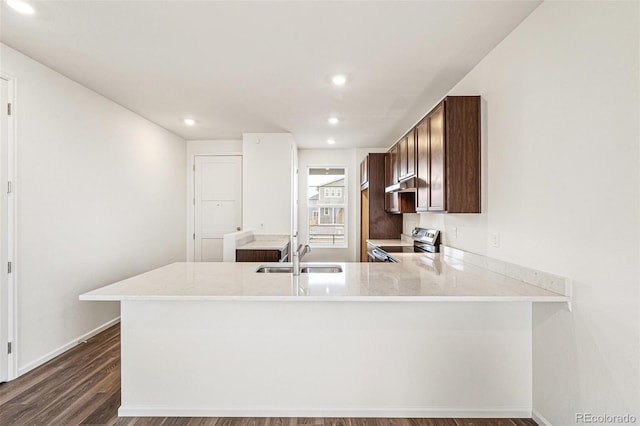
380, 255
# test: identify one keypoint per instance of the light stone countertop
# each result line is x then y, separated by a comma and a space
417, 277
260, 244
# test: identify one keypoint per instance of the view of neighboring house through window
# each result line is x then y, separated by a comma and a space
327, 202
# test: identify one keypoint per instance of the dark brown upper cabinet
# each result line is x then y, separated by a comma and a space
411, 153
396, 202
407, 156
364, 172
390, 178
448, 157
395, 163
402, 158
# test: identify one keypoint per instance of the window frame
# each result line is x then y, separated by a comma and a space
322, 206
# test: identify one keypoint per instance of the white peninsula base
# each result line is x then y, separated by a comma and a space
326, 359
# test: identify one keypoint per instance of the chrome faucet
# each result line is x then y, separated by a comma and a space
298, 254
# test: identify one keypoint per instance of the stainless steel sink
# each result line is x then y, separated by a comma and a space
275, 269
319, 269
328, 269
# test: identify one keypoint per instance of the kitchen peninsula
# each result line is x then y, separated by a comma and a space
429, 336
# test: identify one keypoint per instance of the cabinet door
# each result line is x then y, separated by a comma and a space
422, 172
391, 202
395, 164
364, 171
388, 169
257, 255
390, 178
436, 198
402, 158
411, 153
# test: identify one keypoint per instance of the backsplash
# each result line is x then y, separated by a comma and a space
552, 282
429, 221
410, 221
467, 232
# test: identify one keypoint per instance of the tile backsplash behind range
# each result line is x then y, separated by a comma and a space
410, 221
429, 221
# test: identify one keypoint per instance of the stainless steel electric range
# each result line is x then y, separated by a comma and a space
424, 241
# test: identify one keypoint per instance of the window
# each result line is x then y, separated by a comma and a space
327, 204
332, 192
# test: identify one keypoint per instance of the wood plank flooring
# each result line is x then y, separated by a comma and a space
82, 387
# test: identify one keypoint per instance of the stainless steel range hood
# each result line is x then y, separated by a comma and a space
407, 185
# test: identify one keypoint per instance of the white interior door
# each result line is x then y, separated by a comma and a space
218, 203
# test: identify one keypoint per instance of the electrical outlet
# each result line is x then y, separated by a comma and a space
495, 239
454, 232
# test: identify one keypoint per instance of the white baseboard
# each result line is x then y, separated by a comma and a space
540, 419
48, 357
440, 412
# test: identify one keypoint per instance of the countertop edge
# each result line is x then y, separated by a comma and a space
256, 245
378, 299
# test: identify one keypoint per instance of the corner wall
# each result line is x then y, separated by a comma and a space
100, 197
562, 105
268, 160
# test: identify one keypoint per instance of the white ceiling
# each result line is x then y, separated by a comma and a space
265, 66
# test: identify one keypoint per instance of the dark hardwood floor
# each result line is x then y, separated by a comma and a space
82, 387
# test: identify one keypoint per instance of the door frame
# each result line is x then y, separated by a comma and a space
8, 287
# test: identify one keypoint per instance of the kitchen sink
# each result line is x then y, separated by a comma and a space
328, 269
275, 269
319, 269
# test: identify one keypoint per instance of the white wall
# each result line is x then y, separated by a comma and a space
267, 173
562, 159
100, 195
203, 147
295, 182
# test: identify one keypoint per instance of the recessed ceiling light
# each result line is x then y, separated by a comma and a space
331, 141
189, 121
20, 6
339, 79
333, 120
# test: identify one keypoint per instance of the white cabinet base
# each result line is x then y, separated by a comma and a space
326, 359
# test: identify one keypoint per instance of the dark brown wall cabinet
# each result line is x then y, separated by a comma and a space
395, 165
364, 172
448, 157
390, 178
407, 156
375, 222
